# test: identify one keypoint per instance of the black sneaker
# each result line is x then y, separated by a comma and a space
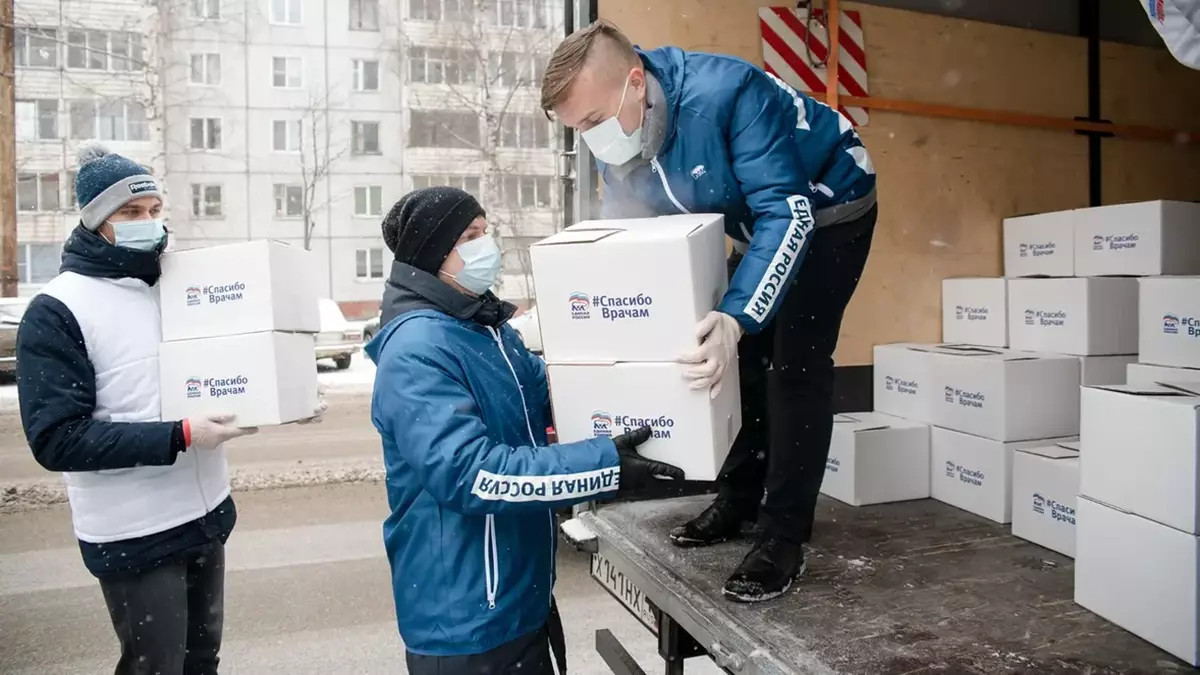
767, 572
721, 521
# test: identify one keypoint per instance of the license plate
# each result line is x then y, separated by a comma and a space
620, 587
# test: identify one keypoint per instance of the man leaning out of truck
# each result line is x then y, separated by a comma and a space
462, 407
150, 498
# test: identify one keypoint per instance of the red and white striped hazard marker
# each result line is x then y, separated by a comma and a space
783, 36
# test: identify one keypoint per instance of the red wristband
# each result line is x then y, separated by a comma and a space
187, 433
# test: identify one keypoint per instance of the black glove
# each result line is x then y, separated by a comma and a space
637, 472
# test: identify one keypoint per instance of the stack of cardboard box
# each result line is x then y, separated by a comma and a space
1138, 539
237, 327
618, 302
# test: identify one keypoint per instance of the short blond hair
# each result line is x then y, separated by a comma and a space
571, 55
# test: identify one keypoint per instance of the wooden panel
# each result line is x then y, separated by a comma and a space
1148, 86
945, 186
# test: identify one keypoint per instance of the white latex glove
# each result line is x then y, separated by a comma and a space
719, 334
318, 415
208, 433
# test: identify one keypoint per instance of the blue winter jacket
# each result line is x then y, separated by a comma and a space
742, 143
463, 408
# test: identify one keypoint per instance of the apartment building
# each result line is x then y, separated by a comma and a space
298, 120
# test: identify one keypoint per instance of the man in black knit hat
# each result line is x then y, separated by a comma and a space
462, 408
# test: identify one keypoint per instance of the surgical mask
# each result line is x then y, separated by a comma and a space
609, 142
139, 235
481, 264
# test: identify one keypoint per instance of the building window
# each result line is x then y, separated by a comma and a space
103, 50
287, 72
439, 10
206, 133
364, 138
513, 69
285, 135
366, 75
526, 191
368, 264
205, 10
38, 263
289, 200
364, 14
206, 69
443, 129
72, 201
206, 201
515, 254
517, 13
286, 12
524, 131
37, 120
36, 47
469, 184
38, 192
441, 65
107, 120
368, 200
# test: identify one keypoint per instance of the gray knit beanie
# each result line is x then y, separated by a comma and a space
107, 181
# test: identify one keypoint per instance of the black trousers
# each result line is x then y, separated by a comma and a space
527, 655
169, 619
787, 386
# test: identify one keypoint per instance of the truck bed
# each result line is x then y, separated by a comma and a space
916, 587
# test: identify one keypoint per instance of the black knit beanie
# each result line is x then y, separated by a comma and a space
425, 225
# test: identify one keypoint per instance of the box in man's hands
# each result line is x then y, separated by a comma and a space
238, 288
628, 290
691, 430
261, 378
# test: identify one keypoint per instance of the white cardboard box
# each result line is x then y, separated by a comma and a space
1089, 317
1095, 371
876, 458
974, 311
262, 378
1045, 488
903, 380
239, 288
974, 473
691, 430
1140, 575
1005, 395
628, 290
1140, 239
1170, 321
1144, 373
1040, 245
1141, 451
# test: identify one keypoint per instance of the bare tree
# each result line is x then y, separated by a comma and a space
317, 157
487, 64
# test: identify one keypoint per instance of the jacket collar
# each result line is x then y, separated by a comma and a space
409, 289
89, 254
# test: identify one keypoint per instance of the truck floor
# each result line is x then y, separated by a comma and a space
915, 587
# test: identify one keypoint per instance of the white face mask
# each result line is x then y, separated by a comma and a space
609, 142
139, 235
481, 264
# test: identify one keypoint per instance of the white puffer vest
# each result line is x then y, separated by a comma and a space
119, 319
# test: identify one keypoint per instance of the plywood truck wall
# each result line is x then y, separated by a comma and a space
945, 185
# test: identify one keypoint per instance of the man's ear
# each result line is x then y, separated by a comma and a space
637, 81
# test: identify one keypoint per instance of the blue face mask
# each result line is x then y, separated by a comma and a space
481, 264
139, 235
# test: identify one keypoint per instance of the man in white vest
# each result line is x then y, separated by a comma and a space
150, 498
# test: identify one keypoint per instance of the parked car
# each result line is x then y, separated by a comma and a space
372, 327
530, 330
11, 311
339, 339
